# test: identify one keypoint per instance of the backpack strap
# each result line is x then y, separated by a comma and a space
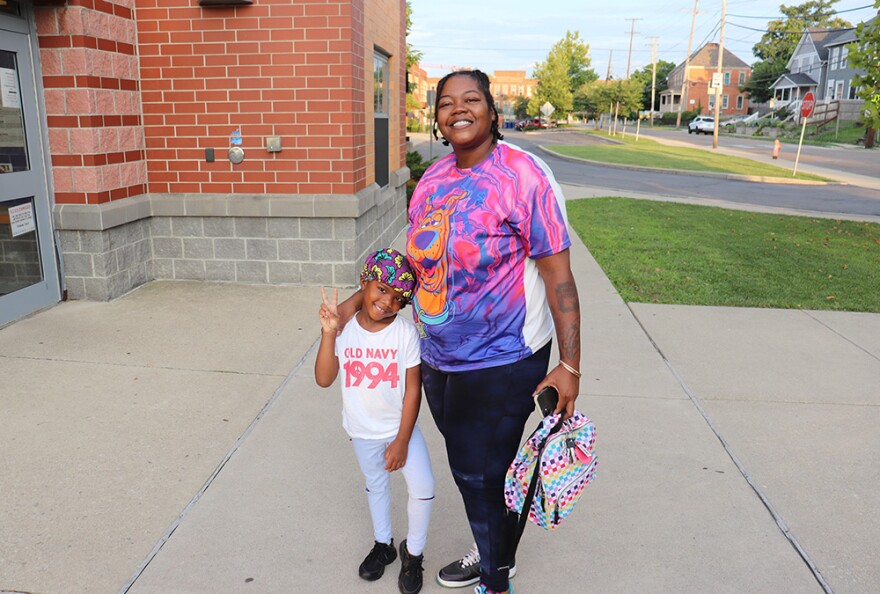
514, 539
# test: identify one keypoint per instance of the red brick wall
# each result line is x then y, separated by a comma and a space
386, 28
700, 79
136, 90
275, 68
90, 75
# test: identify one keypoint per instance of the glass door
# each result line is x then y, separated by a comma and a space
28, 269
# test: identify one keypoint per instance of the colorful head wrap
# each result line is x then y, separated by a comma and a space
392, 268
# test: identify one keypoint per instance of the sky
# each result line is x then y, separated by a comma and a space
515, 34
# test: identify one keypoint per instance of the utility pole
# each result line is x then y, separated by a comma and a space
687, 63
720, 90
608, 78
653, 75
632, 34
610, 55
628, 63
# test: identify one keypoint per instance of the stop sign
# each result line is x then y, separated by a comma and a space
807, 105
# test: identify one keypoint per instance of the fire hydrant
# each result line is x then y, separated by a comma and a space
777, 146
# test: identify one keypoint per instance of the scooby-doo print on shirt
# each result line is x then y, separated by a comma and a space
472, 239
428, 245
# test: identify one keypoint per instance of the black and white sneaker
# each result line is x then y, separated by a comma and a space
465, 571
373, 565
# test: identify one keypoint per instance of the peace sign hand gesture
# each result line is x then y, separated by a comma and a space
329, 314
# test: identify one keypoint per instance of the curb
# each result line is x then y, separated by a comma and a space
712, 174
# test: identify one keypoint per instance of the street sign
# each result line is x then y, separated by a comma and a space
807, 105
547, 109
716, 80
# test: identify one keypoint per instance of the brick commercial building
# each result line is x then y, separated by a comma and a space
260, 141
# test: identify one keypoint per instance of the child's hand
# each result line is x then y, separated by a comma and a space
328, 313
395, 455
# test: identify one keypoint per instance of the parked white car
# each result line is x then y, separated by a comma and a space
702, 123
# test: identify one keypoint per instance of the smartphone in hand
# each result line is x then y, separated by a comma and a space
546, 400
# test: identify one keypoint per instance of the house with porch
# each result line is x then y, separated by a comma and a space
820, 64
698, 77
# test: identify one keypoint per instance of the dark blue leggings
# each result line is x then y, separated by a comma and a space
482, 414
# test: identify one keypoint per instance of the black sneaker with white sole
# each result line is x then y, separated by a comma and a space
465, 571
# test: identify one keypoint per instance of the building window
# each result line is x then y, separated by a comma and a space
829, 91
742, 78
739, 102
853, 91
724, 101
844, 57
381, 109
726, 78
381, 70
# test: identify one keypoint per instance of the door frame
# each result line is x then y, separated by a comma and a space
18, 34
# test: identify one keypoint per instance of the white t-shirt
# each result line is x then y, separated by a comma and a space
372, 369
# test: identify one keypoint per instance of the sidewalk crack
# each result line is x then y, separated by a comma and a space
780, 522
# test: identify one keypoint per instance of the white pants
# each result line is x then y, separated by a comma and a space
419, 483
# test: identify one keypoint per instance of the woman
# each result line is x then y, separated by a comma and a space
489, 244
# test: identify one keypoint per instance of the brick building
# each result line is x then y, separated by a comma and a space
163, 139
507, 86
703, 64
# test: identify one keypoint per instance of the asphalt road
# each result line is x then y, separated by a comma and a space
832, 199
851, 159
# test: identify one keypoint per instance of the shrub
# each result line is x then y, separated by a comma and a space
669, 118
417, 166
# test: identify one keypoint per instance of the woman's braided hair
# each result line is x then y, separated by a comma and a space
483, 81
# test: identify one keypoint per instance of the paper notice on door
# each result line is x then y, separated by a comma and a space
21, 219
9, 95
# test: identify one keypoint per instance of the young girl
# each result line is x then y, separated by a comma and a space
379, 354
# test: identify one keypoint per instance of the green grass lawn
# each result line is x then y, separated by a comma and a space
649, 153
665, 252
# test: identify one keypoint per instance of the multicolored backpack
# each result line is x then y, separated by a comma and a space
566, 451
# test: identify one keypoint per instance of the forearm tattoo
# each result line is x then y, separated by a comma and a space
568, 331
570, 342
567, 298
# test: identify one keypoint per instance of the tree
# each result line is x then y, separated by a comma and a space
865, 55
413, 56
644, 76
778, 43
598, 96
566, 69
521, 110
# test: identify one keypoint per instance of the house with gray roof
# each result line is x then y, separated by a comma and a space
820, 64
807, 67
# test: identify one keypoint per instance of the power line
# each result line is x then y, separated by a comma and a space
832, 13
815, 30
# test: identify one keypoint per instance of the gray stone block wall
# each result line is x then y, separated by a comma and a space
101, 265
304, 240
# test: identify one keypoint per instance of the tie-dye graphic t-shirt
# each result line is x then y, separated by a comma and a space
473, 235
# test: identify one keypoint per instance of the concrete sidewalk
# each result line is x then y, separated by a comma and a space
174, 440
